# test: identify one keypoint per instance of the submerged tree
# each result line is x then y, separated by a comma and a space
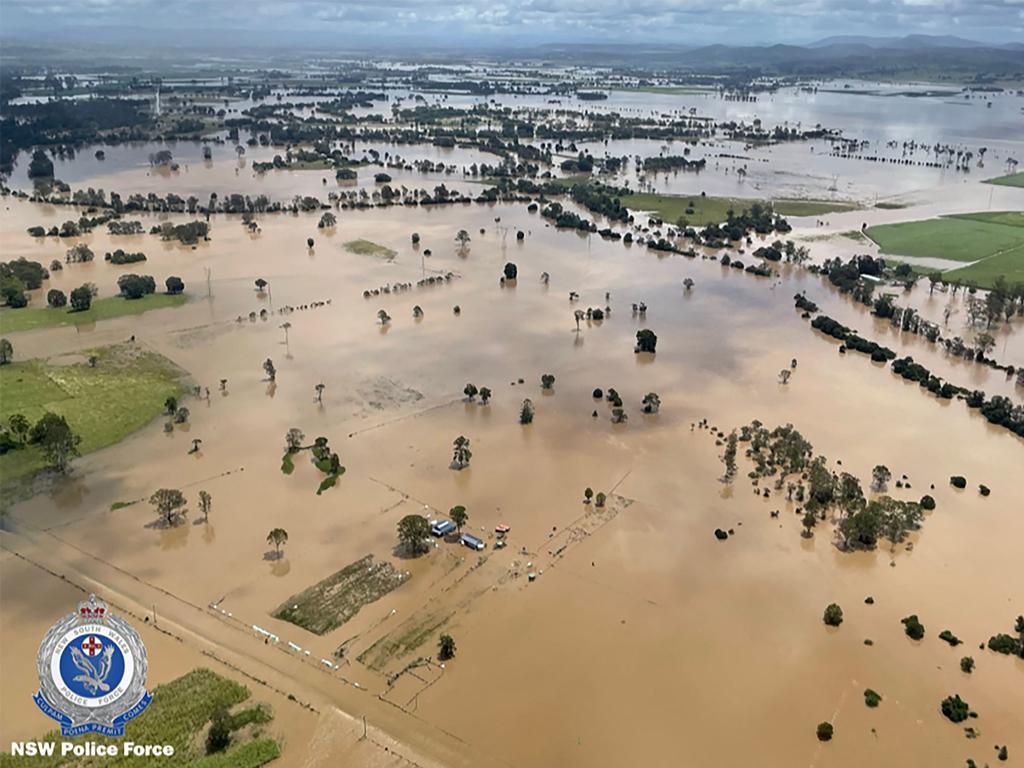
651, 402
169, 503
413, 532
461, 453
547, 381
269, 369
880, 477
205, 504
485, 395
459, 516
526, 412
470, 391
646, 341
277, 538
462, 238
446, 647
729, 457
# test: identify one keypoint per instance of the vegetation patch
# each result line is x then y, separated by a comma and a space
699, 211
330, 603
32, 318
1010, 180
178, 716
124, 391
404, 640
370, 248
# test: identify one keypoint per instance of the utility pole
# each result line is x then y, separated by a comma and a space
209, 291
364, 726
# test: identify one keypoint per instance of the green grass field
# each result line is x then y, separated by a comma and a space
179, 715
1010, 180
713, 210
32, 318
993, 240
369, 248
124, 392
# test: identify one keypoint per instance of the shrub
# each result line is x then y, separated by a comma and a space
955, 708
949, 637
825, 731
984, 490
927, 503
1006, 644
833, 616
958, 482
56, 298
720, 534
913, 627
219, 735
967, 664
872, 698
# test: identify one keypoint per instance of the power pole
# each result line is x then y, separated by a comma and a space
209, 291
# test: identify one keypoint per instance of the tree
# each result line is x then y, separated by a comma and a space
6, 351
579, 314
168, 503
319, 389
415, 238
56, 440
81, 298
293, 440
651, 402
729, 457
19, 427
181, 416
485, 395
40, 166
219, 736
526, 412
511, 271
600, 499
171, 405
261, 284
383, 316
913, 627
174, 285
277, 538
413, 531
205, 504
470, 391
547, 381
327, 221
445, 647
135, 286
269, 369
285, 326
459, 516
833, 615
646, 341
56, 298
809, 521
461, 453
825, 731
588, 494
462, 238
784, 375
880, 477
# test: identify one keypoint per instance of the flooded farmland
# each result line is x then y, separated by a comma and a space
678, 621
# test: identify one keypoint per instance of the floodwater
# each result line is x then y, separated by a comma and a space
643, 639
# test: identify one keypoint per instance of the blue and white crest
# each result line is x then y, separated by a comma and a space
92, 672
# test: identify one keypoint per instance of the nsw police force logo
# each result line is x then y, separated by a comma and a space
92, 672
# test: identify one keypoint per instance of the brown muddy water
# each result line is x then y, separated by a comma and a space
643, 639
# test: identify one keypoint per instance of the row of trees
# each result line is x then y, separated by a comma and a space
52, 435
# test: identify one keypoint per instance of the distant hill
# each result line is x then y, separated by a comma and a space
906, 42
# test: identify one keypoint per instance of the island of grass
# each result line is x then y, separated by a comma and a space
1010, 180
330, 603
697, 211
669, 90
32, 318
125, 390
180, 715
991, 242
370, 248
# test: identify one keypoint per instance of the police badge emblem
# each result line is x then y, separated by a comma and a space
92, 672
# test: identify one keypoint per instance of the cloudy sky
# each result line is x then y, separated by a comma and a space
510, 22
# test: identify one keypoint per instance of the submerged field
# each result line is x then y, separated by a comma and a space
637, 601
